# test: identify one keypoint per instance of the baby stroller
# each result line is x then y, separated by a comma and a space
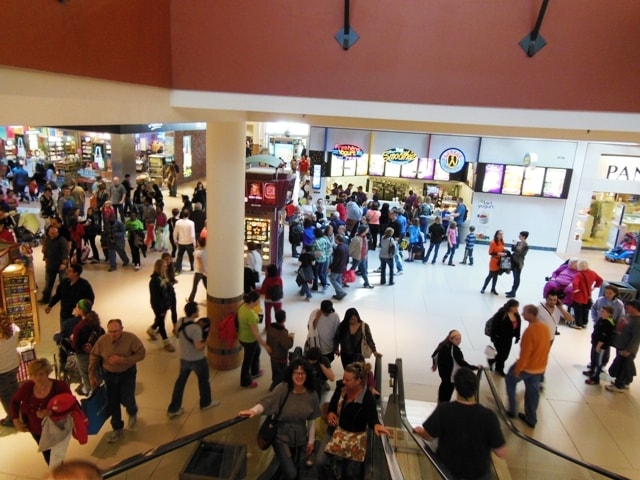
28, 229
624, 250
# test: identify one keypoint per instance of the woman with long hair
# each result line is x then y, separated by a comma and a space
250, 339
496, 250
373, 220
9, 362
298, 406
349, 336
448, 359
160, 302
272, 290
505, 326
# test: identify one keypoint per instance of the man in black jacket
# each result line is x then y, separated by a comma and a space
56, 256
338, 266
70, 291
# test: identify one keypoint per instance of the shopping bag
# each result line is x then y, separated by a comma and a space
95, 408
349, 276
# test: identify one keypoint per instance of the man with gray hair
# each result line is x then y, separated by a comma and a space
338, 265
118, 194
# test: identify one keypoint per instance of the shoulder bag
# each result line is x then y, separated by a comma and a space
365, 349
269, 428
345, 444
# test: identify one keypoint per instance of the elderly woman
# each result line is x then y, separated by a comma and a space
296, 403
505, 326
9, 362
561, 281
448, 359
29, 404
349, 336
352, 409
583, 284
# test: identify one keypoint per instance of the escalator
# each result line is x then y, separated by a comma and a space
228, 450
527, 458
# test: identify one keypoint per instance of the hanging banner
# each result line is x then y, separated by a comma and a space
347, 152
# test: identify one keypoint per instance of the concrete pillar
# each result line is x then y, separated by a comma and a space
123, 156
225, 234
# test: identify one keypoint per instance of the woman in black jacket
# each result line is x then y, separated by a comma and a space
160, 302
505, 326
448, 359
349, 335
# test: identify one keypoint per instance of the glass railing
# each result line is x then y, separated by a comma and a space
228, 450
527, 457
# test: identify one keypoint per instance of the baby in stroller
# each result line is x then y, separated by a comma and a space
561, 281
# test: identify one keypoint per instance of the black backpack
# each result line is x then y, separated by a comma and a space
275, 293
203, 323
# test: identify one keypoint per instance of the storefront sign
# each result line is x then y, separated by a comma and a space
399, 156
347, 152
619, 168
452, 160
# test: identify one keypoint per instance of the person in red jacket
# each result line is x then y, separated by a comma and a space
583, 284
272, 290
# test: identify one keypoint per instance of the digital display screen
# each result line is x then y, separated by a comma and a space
493, 174
316, 177
439, 173
391, 170
254, 192
256, 230
337, 166
533, 180
349, 169
269, 194
512, 184
426, 168
376, 166
554, 182
362, 165
409, 170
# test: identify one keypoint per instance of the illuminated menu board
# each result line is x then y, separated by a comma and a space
376, 165
439, 173
362, 165
512, 184
337, 167
409, 170
256, 230
426, 167
532, 184
554, 182
349, 167
493, 174
391, 169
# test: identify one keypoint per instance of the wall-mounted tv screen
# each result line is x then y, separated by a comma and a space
533, 180
492, 181
269, 194
439, 173
391, 170
376, 165
426, 167
337, 166
362, 165
555, 183
254, 192
409, 170
512, 182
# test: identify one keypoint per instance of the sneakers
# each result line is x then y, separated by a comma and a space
339, 297
167, 346
214, 403
259, 374
574, 326
136, 266
133, 419
613, 388
592, 381
175, 414
367, 285
115, 436
152, 333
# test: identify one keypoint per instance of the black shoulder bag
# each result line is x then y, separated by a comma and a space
269, 428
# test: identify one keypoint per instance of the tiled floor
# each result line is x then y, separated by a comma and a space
407, 321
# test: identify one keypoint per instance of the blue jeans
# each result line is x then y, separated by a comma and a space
117, 246
286, 462
598, 360
201, 369
468, 254
363, 267
305, 289
383, 270
516, 278
196, 279
531, 393
336, 281
325, 465
435, 254
398, 259
50, 280
451, 250
121, 390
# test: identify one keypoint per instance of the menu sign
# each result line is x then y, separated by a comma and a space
533, 180
513, 175
426, 168
554, 182
376, 165
492, 178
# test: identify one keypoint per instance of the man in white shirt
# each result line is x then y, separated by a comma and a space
184, 235
322, 327
550, 313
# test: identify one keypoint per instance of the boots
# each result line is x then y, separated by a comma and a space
167, 345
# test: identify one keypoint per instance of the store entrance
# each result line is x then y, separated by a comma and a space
608, 218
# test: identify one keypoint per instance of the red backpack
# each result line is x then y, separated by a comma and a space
228, 329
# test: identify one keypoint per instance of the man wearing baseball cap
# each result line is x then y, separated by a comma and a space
626, 339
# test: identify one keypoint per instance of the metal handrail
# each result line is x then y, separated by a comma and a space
503, 413
156, 452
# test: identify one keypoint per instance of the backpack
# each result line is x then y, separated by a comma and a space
488, 327
67, 207
296, 354
228, 329
295, 232
275, 293
466, 213
425, 209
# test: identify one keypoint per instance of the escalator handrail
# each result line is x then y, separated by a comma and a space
422, 444
156, 452
510, 425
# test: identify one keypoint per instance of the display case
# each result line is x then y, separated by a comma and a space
19, 301
156, 167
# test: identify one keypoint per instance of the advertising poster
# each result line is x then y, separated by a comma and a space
482, 220
187, 162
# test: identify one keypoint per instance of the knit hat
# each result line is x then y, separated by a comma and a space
327, 306
85, 305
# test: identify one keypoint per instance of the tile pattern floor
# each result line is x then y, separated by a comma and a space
407, 321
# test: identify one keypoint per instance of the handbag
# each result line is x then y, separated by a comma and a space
505, 264
345, 444
269, 428
95, 408
365, 349
490, 352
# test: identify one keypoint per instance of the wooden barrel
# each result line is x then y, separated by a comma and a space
220, 354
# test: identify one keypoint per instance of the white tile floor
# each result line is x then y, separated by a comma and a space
407, 321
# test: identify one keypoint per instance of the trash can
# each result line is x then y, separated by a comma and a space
626, 291
216, 461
